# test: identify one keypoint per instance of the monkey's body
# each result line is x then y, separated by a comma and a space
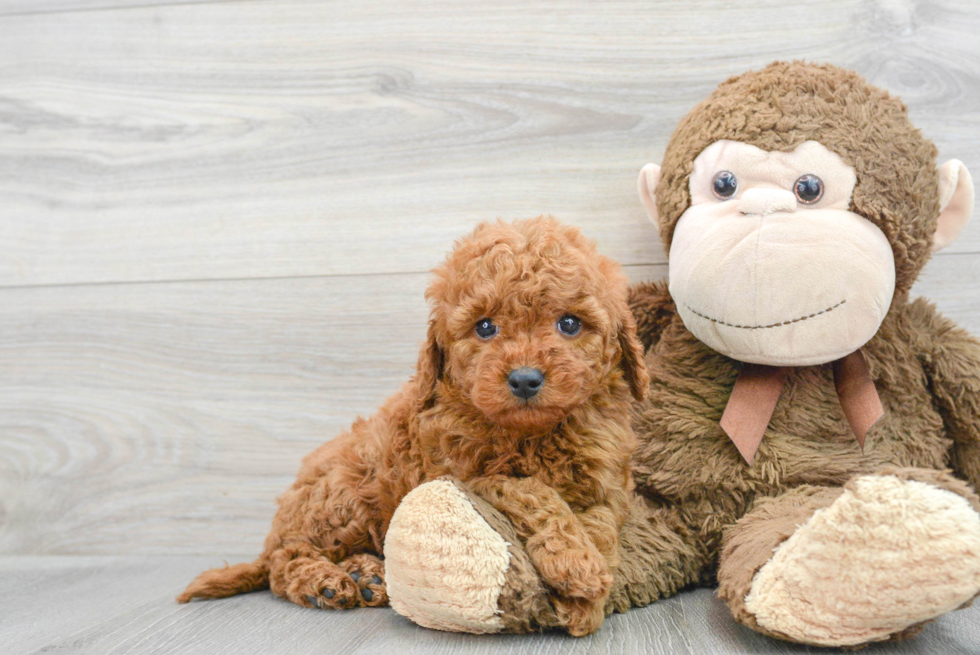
694, 478
694, 465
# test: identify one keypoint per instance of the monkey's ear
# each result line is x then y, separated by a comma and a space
647, 185
632, 358
429, 369
955, 203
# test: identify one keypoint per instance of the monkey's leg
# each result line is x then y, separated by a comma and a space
659, 556
872, 561
455, 563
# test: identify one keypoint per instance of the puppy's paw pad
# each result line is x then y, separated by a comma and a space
338, 592
328, 599
367, 571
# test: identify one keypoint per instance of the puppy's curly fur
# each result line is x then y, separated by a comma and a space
557, 464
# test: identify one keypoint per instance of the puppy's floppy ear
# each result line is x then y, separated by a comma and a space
429, 369
632, 356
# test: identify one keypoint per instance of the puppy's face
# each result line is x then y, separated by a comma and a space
528, 321
525, 352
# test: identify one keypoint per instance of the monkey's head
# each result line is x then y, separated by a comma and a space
796, 204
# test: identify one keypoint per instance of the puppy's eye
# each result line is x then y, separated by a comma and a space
724, 185
485, 328
808, 189
569, 325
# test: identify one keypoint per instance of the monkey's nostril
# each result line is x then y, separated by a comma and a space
525, 382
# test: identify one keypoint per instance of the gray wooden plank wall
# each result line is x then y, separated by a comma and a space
216, 218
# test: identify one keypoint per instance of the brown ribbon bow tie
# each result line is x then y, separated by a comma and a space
757, 389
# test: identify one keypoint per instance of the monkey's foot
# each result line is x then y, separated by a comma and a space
892, 552
454, 563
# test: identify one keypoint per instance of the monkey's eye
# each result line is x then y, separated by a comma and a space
808, 189
569, 325
485, 328
724, 185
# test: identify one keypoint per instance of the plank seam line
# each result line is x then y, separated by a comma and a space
106, 283
158, 5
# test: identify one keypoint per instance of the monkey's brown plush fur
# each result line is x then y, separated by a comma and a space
704, 515
556, 464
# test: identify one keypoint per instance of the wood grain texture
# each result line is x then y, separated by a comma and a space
267, 139
124, 605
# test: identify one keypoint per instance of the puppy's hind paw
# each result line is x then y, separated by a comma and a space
367, 571
323, 585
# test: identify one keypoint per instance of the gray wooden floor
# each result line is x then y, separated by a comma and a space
216, 222
124, 605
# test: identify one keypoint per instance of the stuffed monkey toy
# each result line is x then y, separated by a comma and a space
811, 439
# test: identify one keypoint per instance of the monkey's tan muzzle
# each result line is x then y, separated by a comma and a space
766, 201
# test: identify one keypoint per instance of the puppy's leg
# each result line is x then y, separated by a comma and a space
334, 515
557, 544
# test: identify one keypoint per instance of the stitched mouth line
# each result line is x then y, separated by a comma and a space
763, 327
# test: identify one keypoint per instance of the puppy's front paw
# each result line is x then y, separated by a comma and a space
575, 573
580, 617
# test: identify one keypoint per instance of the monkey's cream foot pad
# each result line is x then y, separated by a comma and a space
445, 565
887, 555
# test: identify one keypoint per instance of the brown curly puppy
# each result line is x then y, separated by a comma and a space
522, 392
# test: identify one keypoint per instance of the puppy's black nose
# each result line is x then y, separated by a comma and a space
525, 382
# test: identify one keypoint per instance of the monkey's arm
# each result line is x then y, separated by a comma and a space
952, 362
653, 309
661, 554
